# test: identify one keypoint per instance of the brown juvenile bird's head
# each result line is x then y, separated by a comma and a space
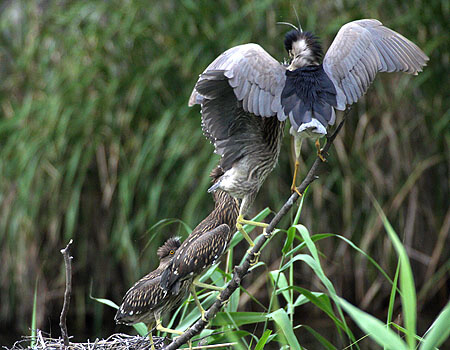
168, 249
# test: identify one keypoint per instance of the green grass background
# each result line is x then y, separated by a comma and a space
97, 144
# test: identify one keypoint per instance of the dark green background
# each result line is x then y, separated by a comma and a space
97, 144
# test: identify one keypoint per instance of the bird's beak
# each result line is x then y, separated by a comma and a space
214, 187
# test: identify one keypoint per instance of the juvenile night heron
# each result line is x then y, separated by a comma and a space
246, 96
204, 246
146, 301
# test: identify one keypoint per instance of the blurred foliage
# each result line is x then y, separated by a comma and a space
97, 144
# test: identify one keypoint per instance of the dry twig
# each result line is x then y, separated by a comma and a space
62, 319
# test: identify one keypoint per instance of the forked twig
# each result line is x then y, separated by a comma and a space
242, 270
62, 319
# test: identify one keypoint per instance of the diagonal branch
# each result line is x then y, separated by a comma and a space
242, 270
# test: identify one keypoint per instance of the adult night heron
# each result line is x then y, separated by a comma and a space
246, 96
146, 301
204, 246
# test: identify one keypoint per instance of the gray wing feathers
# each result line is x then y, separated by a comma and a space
256, 77
363, 48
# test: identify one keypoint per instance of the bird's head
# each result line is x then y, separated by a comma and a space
168, 249
216, 173
304, 49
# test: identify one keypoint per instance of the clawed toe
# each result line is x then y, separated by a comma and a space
255, 259
224, 302
322, 158
295, 189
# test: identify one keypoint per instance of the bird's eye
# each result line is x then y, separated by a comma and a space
172, 252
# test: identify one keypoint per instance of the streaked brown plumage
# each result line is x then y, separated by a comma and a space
207, 242
146, 301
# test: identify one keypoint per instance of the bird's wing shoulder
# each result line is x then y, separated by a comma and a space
201, 252
255, 77
360, 50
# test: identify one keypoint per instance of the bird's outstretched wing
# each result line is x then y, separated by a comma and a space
360, 50
256, 77
238, 88
194, 258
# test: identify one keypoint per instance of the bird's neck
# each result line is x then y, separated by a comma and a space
226, 208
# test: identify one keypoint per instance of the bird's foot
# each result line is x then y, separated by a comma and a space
319, 151
203, 312
160, 328
255, 259
295, 189
322, 158
241, 229
223, 301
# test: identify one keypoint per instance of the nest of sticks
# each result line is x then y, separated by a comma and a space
116, 341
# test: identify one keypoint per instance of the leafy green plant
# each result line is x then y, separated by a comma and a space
231, 323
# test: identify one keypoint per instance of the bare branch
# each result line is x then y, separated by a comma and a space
62, 319
242, 270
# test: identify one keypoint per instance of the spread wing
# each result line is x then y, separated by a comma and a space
363, 48
197, 256
235, 91
256, 77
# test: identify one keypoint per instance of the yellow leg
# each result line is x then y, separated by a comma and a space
297, 164
319, 151
197, 302
243, 232
207, 286
293, 186
240, 221
160, 328
152, 345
